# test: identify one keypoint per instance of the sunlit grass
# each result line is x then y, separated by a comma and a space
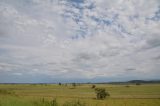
43, 95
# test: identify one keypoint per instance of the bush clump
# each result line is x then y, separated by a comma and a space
101, 93
93, 86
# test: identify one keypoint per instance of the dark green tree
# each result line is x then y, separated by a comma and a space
74, 85
101, 93
59, 84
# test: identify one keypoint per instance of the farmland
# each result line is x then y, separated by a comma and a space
81, 95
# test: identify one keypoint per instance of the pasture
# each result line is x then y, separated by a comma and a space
81, 95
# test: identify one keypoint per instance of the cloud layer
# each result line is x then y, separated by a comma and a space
99, 40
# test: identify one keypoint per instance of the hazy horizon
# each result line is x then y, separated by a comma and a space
52, 41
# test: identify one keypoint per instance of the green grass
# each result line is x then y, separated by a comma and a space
35, 95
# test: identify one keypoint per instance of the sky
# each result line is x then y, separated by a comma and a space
53, 41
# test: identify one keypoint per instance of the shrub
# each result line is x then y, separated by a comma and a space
101, 93
93, 86
127, 86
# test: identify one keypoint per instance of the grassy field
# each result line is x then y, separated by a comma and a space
82, 95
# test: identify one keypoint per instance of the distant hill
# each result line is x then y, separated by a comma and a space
137, 81
144, 81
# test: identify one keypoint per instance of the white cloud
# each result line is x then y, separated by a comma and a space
17, 74
61, 39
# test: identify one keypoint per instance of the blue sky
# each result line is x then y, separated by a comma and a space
79, 40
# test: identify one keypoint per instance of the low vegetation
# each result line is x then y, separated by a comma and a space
6, 92
74, 103
82, 95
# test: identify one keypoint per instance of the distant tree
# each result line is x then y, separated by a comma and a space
74, 85
101, 93
93, 86
59, 83
138, 83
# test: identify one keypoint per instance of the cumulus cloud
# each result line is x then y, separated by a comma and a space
79, 39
